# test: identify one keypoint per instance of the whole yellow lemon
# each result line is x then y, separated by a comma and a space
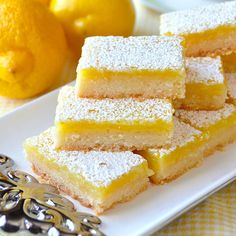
83, 18
32, 48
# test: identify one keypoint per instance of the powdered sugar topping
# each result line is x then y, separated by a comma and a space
199, 19
204, 70
72, 108
115, 53
202, 119
183, 134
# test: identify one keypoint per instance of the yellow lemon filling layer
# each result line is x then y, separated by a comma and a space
212, 130
204, 90
211, 122
121, 126
206, 87
203, 96
207, 35
106, 74
186, 139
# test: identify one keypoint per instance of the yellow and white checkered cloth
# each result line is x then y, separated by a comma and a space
215, 216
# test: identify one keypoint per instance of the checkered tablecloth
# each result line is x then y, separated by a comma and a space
215, 216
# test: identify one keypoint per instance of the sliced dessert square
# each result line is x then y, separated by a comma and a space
97, 179
220, 125
205, 85
208, 30
141, 66
185, 152
111, 124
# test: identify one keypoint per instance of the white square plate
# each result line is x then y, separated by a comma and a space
149, 211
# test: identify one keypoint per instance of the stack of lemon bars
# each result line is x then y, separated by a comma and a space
145, 108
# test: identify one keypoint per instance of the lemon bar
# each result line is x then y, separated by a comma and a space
186, 151
97, 179
229, 62
208, 30
219, 125
205, 85
231, 84
111, 124
141, 66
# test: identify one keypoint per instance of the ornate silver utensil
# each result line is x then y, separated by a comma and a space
28, 206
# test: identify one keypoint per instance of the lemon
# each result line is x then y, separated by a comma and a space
83, 18
32, 48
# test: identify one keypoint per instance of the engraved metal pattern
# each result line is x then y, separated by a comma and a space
28, 206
